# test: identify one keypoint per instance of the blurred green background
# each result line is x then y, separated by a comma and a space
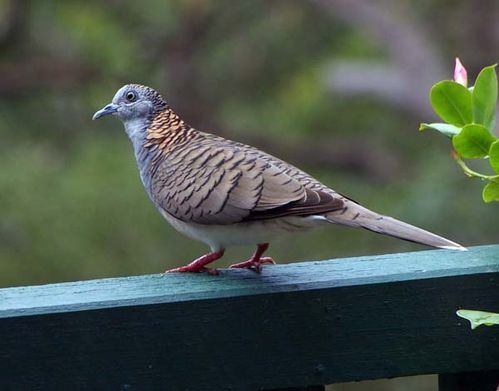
337, 87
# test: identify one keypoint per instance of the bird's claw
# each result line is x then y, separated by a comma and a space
253, 264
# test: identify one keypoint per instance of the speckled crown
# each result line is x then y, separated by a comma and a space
155, 97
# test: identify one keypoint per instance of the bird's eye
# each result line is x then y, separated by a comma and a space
130, 96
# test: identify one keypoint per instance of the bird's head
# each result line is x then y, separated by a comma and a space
134, 102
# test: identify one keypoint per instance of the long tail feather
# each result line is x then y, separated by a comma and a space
357, 216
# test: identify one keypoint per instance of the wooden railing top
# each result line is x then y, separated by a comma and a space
167, 288
299, 324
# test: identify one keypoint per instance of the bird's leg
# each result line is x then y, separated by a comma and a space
256, 261
199, 264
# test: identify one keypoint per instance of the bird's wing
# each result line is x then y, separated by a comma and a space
214, 184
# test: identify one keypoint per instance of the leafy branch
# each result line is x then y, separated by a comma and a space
469, 116
478, 318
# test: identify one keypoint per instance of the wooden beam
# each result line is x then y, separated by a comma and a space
292, 326
469, 381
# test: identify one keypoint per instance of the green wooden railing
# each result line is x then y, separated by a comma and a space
299, 325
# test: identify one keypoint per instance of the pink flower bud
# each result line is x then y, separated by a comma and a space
460, 74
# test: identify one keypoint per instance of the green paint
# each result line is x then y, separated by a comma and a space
292, 326
165, 288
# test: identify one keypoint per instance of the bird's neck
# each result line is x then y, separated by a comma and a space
136, 129
167, 130
153, 138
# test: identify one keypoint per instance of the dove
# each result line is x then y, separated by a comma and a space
226, 193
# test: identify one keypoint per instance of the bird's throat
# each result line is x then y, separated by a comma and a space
154, 138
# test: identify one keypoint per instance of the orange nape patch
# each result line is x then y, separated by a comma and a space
167, 129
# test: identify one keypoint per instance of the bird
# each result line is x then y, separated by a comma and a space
226, 193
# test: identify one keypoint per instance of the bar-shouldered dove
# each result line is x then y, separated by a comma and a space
225, 193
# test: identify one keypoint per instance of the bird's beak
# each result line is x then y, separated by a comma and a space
108, 109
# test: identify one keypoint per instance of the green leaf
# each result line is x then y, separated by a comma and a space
478, 318
484, 97
494, 156
452, 102
473, 141
491, 192
446, 129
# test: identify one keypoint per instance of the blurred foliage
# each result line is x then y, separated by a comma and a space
71, 203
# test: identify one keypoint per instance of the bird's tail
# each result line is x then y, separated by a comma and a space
357, 216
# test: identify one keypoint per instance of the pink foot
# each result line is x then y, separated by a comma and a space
256, 261
199, 264
253, 264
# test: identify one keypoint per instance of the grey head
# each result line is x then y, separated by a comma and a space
135, 105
